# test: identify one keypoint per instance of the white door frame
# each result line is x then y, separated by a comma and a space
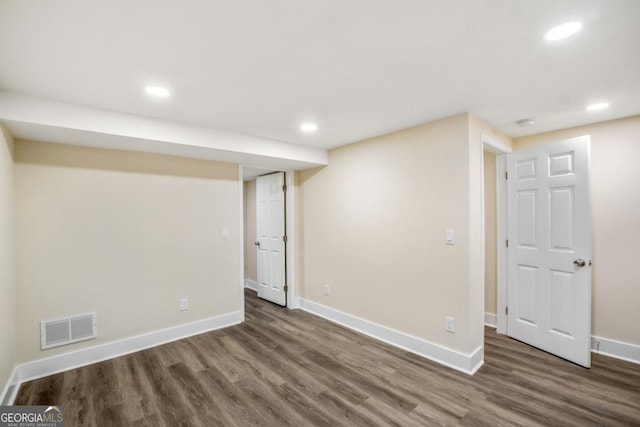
241, 233
501, 150
290, 202
290, 229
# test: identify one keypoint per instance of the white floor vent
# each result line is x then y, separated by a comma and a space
57, 332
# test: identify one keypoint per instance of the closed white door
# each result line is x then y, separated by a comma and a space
271, 237
549, 232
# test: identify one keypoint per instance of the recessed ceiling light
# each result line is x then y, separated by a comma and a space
598, 106
308, 127
158, 91
563, 31
525, 123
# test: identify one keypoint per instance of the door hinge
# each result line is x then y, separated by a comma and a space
284, 239
507, 242
506, 311
286, 288
284, 188
506, 175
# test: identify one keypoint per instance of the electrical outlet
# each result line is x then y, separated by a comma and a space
450, 324
184, 304
327, 290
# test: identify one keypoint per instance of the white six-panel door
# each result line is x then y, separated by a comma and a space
549, 232
271, 231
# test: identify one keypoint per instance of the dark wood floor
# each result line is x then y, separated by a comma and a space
291, 368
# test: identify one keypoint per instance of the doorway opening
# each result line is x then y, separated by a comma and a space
542, 239
249, 225
252, 244
490, 239
495, 231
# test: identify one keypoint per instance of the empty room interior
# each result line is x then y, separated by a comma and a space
320, 213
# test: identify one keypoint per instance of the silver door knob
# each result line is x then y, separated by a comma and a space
579, 262
256, 243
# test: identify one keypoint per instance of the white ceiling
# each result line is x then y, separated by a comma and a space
358, 68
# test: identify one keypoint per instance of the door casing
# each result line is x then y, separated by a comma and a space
501, 151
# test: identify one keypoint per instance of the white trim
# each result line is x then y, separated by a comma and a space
21, 373
490, 320
290, 200
503, 252
494, 145
483, 231
501, 150
616, 349
241, 236
7, 398
251, 284
476, 360
87, 356
467, 363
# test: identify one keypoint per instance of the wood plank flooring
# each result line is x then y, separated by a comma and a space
285, 367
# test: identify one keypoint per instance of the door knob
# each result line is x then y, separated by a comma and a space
258, 244
579, 262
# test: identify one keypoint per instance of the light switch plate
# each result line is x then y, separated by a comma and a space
451, 237
224, 233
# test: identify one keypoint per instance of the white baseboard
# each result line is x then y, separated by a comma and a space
10, 391
616, 349
490, 320
75, 359
296, 303
462, 362
604, 346
467, 363
251, 284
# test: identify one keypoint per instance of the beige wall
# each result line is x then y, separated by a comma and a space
615, 210
250, 255
373, 228
125, 234
490, 234
7, 262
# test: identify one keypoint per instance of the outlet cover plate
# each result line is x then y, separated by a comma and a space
450, 324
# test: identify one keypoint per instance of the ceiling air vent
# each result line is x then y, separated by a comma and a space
57, 332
